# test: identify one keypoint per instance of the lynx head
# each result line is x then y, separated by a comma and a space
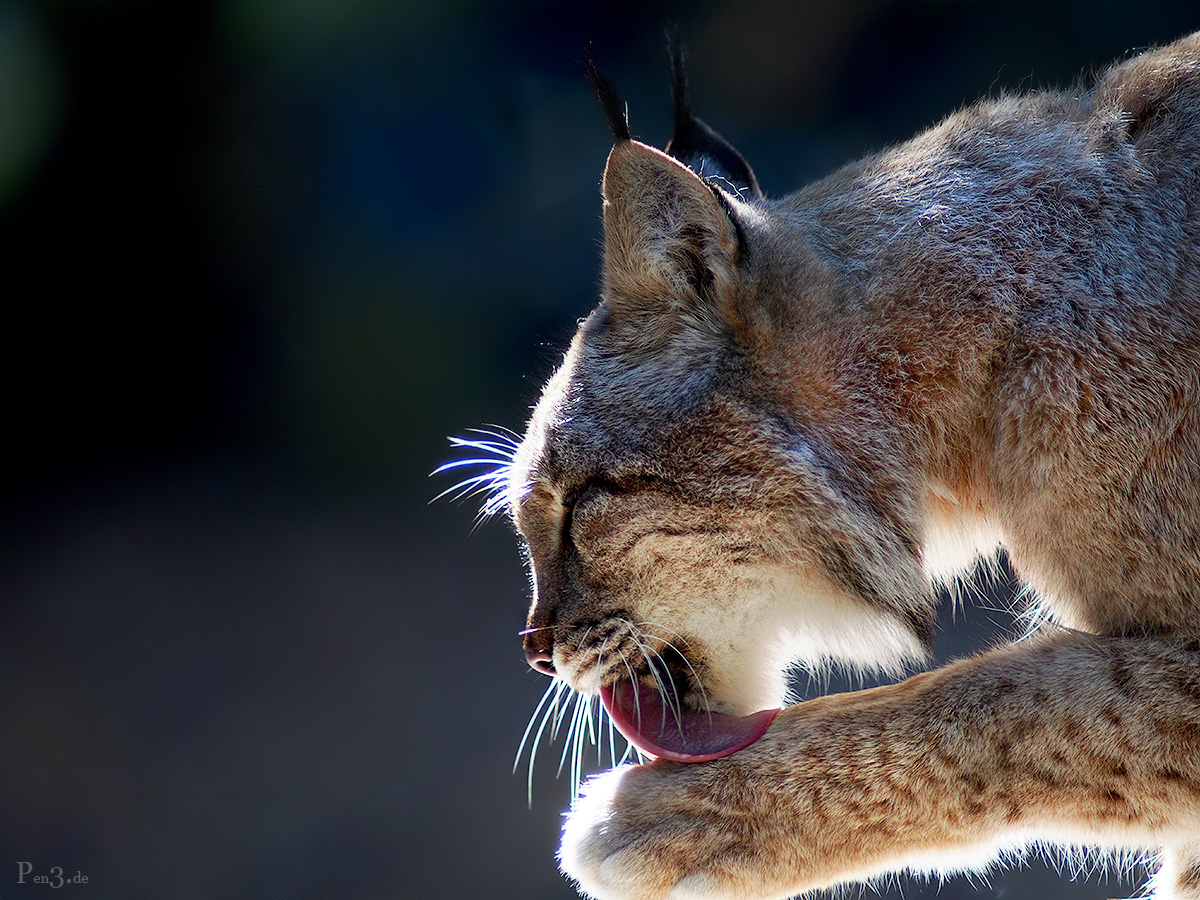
703, 500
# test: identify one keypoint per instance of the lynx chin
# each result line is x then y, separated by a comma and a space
787, 417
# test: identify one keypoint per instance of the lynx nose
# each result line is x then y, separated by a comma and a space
538, 644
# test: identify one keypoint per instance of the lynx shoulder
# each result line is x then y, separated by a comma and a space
786, 417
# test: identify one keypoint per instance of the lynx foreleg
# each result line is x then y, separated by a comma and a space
1076, 739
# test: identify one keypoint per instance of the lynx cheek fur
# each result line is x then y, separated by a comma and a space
786, 416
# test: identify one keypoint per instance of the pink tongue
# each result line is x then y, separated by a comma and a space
683, 735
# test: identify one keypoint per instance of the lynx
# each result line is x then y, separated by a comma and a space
786, 419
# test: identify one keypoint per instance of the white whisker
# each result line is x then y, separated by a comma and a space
571, 739
494, 482
612, 744
695, 675
561, 712
506, 438
583, 706
472, 461
633, 680
552, 688
671, 698
559, 687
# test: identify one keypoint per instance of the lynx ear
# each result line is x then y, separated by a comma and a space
695, 144
671, 245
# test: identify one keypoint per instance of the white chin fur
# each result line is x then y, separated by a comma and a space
821, 626
793, 620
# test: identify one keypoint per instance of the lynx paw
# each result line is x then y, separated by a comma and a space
652, 833
614, 850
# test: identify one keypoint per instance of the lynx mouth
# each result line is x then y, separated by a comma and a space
664, 729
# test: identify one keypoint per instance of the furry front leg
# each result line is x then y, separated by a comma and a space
1075, 739
1178, 876
828, 796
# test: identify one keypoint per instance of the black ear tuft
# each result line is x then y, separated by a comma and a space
610, 101
695, 144
682, 103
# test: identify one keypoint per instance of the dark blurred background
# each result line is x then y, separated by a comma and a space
260, 258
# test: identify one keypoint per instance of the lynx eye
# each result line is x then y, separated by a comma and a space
592, 489
598, 484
